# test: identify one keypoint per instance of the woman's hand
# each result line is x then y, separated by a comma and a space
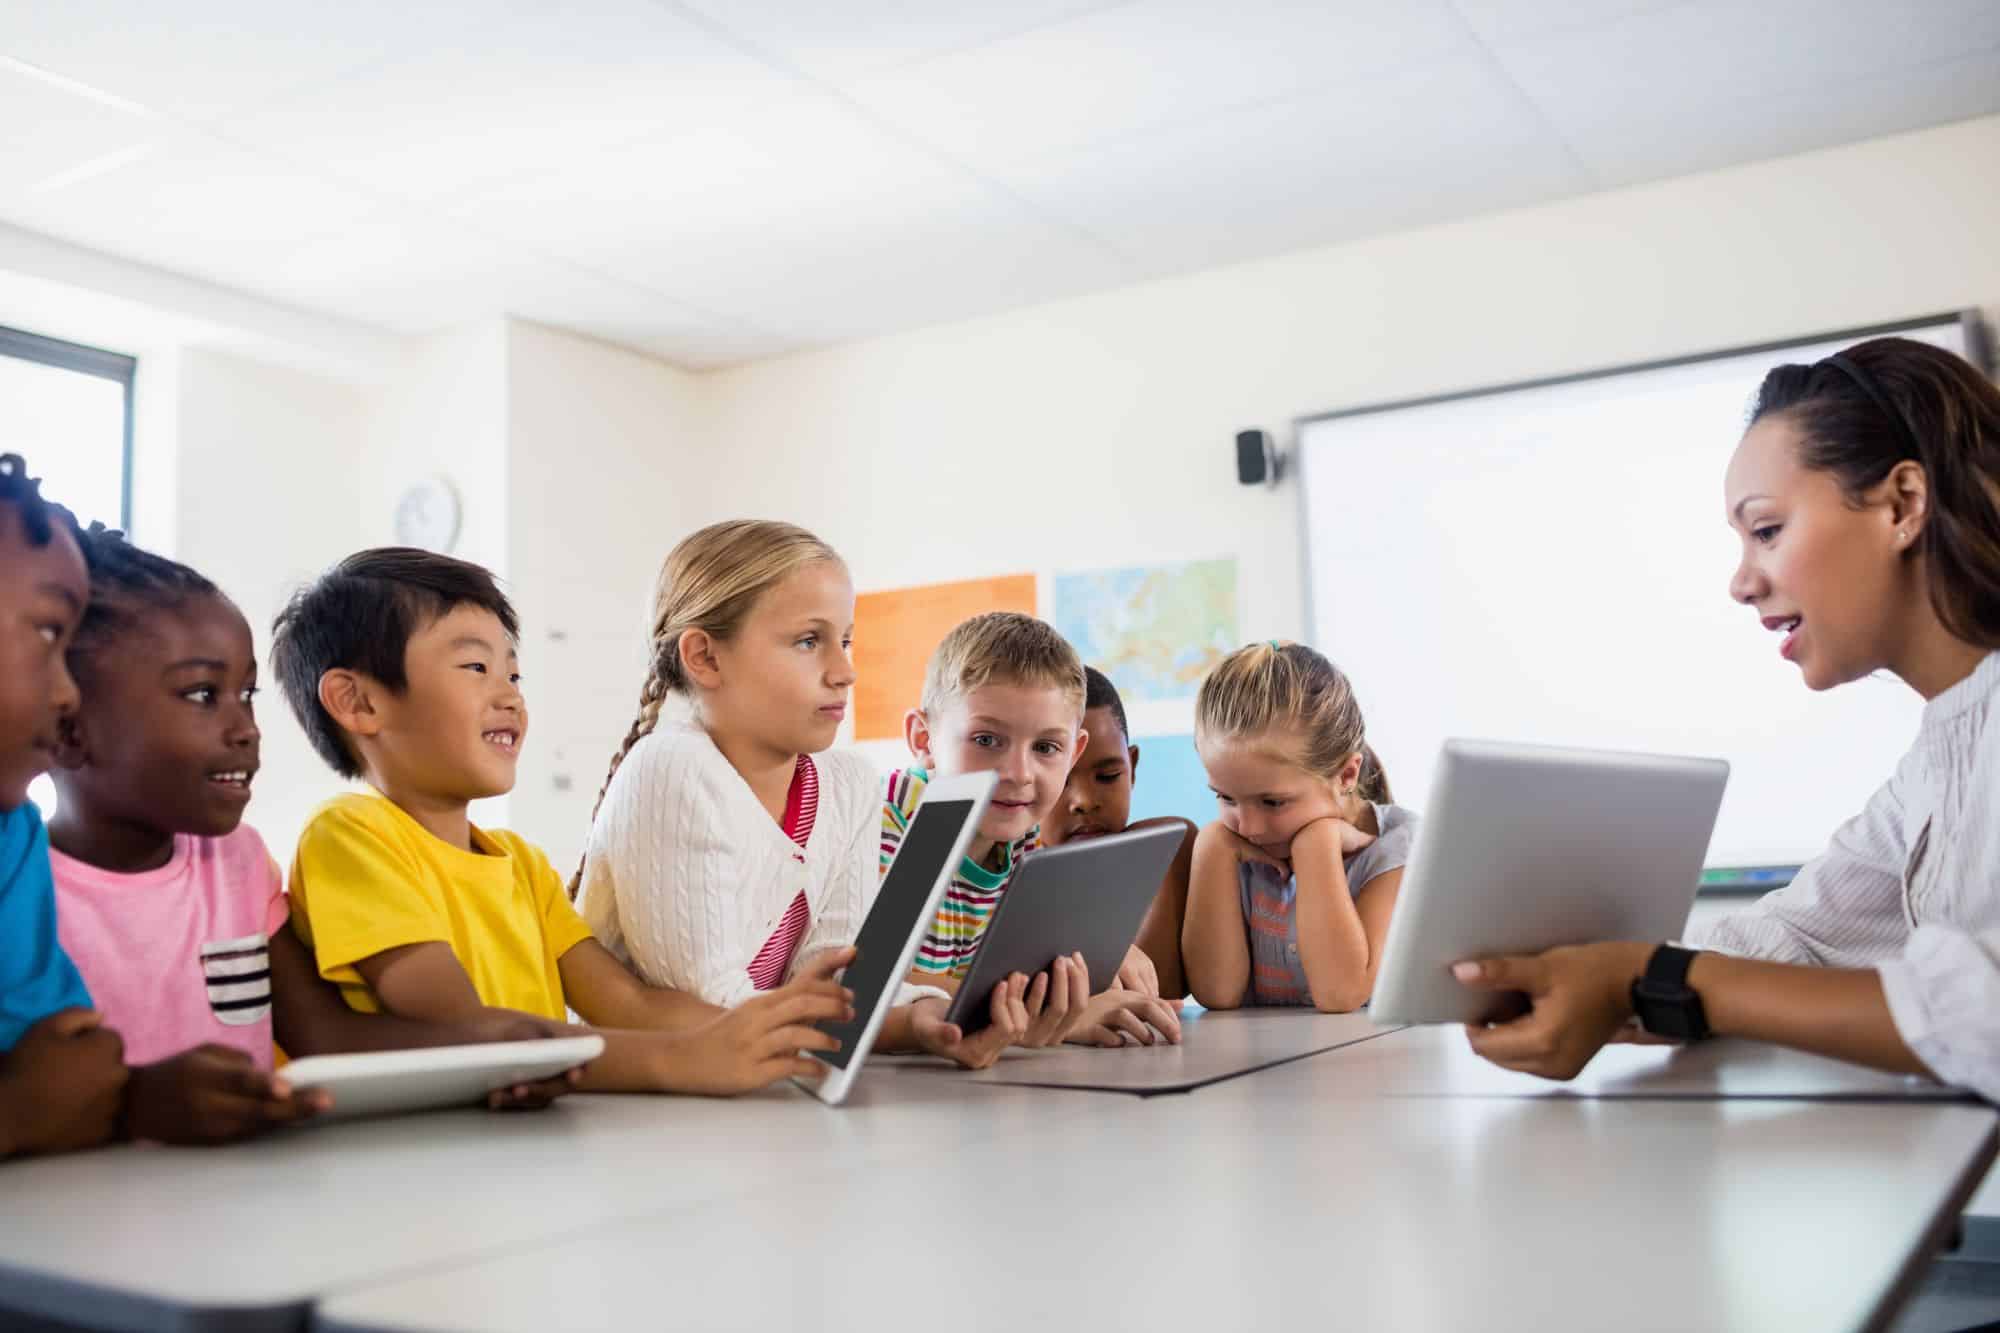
1579, 998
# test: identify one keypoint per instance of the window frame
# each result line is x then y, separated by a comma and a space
117, 367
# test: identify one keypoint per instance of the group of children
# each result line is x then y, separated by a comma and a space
159, 966
154, 959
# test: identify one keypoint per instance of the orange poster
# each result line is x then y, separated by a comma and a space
895, 631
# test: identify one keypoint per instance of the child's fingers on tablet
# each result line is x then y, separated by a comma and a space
822, 965
791, 1040
808, 1007
800, 1067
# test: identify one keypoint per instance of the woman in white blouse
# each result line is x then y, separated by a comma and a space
1866, 493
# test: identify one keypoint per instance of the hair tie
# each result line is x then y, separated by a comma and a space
1276, 647
1883, 403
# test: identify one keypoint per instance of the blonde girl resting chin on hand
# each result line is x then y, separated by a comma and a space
1292, 888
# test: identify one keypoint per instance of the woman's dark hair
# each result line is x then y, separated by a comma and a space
1892, 400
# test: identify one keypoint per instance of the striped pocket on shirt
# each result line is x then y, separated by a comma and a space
238, 973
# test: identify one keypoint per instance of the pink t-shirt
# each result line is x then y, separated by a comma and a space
179, 956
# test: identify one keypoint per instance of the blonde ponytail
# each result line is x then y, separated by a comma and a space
1290, 688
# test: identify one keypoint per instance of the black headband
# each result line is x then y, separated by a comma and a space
1866, 383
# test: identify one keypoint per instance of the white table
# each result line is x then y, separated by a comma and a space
1258, 1204
1215, 1045
1311, 1189
250, 1235
1437, 1062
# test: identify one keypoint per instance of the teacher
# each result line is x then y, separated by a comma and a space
1866, 495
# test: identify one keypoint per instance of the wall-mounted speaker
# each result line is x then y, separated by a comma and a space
1258, 462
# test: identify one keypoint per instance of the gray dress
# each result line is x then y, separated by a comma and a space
1270, 919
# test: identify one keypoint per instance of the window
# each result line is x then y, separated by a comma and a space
67, 409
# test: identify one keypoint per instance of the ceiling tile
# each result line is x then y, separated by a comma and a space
195, 206
197, 59
1148, 64
1509, 20
1698, 54
1660, 136
842, 41
53, 131
800, 218
516, 97
1358, 159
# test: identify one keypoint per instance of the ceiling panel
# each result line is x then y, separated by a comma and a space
1663, 136
196, 206
198, 59
843, 41
1719, 55
799, 202
1148, 64
51, 132
1355, 160
513, 98
1507, 20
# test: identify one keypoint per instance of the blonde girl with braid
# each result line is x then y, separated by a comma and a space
1292, 887
729, 843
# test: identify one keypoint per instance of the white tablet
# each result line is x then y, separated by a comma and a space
1527, 847
426, 1077
930, 850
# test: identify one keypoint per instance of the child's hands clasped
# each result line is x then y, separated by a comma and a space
1122, 1017
62, 1084
1007, 1010
212, 1094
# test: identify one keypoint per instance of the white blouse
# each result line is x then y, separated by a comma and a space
686, 874
1911, 887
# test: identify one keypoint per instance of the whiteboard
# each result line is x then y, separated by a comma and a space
1551, 562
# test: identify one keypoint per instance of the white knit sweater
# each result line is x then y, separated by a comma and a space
686, 874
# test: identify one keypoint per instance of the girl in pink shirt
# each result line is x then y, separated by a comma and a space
168, 903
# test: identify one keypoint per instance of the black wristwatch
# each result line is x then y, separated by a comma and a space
1666, 1005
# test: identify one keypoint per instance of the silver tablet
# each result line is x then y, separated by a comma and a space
1528, 847
426, 1077
1087, 897
930, 851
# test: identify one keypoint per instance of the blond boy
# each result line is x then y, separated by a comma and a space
1004, 693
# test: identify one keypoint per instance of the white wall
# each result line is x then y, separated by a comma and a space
264, 501
602, 457
1098, 431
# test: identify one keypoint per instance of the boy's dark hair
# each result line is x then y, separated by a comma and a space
39, 517
126, 582
360, 616
1099, 692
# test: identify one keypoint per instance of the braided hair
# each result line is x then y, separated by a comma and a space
40, 517
127, 583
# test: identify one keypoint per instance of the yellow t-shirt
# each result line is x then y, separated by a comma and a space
367, 878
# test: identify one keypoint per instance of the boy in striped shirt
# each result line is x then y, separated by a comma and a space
1004, 693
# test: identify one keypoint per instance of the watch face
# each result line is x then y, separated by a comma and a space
427, 515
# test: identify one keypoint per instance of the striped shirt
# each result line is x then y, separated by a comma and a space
768, 968
974, 892
1910, 887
